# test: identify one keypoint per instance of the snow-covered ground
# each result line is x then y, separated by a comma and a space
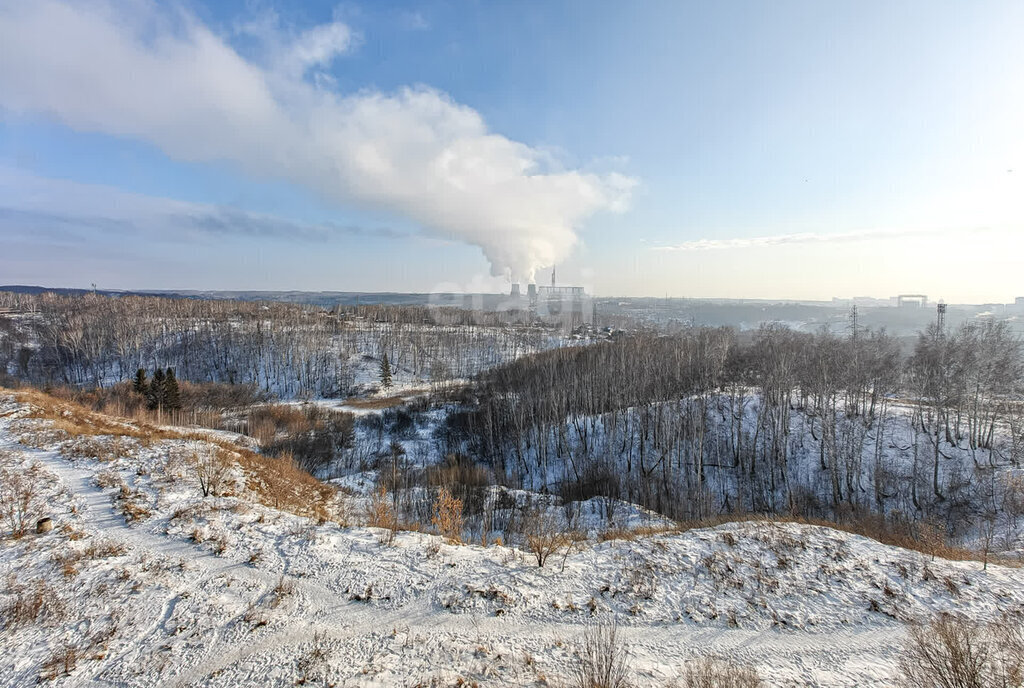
225, 591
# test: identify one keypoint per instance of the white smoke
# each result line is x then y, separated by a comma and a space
133, 69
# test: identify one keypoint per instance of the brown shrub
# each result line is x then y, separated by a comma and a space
104, 549
35, 602
61, 663
376, 403
133, 504
105, 479
380, 512
447, 517
284, 588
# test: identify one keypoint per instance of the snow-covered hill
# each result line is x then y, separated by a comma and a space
144, 582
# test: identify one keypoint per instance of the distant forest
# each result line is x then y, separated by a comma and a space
288, 350
692, 424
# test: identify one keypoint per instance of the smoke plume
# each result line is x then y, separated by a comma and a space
136, 70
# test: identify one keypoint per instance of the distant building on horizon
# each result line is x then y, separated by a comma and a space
867, 301
912, 300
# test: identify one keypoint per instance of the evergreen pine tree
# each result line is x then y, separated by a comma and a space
385, 372
140, 383
157, 390
172, 395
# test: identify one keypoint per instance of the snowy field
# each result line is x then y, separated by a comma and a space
144, 582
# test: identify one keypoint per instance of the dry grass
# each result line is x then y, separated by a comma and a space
104, 549
280, 483
20, 500
31, 603
717, 673
918, 537
375, 404
266, 421
952, 652
602, 660
133, 504
105, 479
631, 534
380, 513
285, 588
77, 420
275, 482
61, 663
448, 516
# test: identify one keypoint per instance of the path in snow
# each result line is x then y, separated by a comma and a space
862, 656
812, 657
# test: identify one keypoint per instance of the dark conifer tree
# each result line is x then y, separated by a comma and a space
141, 384
172, 395
157, 390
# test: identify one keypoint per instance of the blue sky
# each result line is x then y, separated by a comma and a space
758, 149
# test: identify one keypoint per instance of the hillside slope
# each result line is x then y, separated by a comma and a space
145, 582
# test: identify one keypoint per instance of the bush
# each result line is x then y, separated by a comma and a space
61, 663
544, 535
448, 516
311, 435
602, 658
19, 500
717, 673
211, 467
380, 512
31, 603
951, 652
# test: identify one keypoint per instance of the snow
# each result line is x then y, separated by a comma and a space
227, 592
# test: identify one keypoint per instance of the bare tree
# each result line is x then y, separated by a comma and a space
211, 469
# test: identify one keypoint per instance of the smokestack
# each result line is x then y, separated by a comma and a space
515, 290
553, 268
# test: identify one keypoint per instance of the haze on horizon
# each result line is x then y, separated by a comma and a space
790, 149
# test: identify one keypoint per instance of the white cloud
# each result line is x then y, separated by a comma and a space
319, 46
72, 211
133, 69
806, 238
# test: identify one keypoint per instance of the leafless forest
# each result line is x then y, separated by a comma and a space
699, 424
288, 350
693, 425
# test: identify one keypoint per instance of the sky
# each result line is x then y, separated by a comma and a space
773, 149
